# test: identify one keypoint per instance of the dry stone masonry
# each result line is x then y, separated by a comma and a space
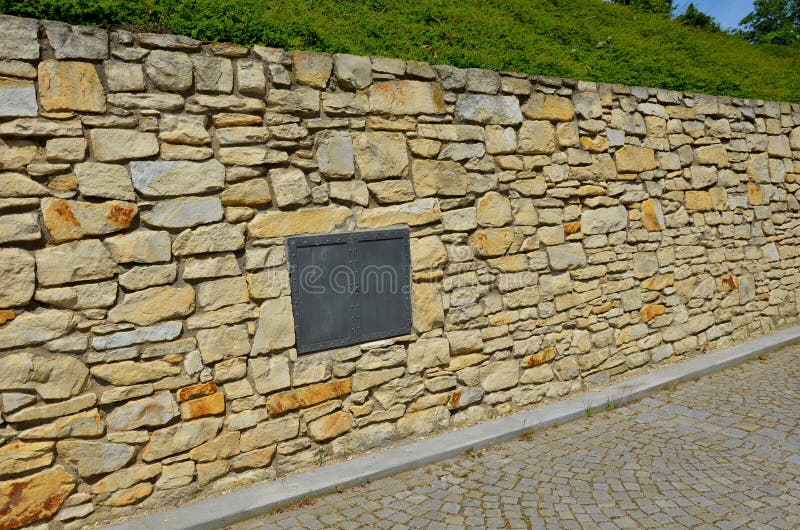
562, 232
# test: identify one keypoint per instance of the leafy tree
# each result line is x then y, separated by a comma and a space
694, 17
650, 6
773, 22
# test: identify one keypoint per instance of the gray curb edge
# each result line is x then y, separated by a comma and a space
252, 501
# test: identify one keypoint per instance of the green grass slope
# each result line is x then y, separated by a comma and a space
543, 37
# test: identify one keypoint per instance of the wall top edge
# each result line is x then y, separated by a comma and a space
106, 40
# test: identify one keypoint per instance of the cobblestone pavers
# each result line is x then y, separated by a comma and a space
719, 452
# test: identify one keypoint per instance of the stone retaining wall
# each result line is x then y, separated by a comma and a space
562, 232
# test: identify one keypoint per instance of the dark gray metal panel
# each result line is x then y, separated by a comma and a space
385, 281
349, 288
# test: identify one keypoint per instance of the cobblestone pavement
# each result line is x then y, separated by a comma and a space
719, 452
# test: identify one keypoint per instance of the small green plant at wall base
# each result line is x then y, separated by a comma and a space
610, 404
529, 436
588, 410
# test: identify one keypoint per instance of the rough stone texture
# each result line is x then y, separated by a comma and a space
21, 457
72, 262
291, 187
461, 483
52, 377
154, 305
115, 145
311, 68
536, 137
312, 220
35, 328
275, 329
34, 497
548, 107
19, 228
432, 177
170, 71
211, 238
151, 411
17, 98
76, 42
70, 85
380, 155
20, 38
632, 159
94, 458
406, 97
562, 233
307, 396
17, 277
82, 296
180, 438
184, 212
485, 109
104, 180
68, 220
171, 179
603, 220
353, 72
493, 210
142, 246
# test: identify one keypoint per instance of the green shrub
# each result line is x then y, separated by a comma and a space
583, 39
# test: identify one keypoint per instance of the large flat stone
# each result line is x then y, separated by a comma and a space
180, 438
150, 411
74, 262
307, 396
310, 220
604, 220
95, 458
117, 145
161, 101
220, 237
176, 178
104, 180
17, 277
270, 373
419, 212
19, 228
81, 296
53, 410
34, 498
333, 151
154, 305
20, 38
270, 432
184, 212
170, 71
20, 457
311, 68
67, 220
380, 155
29, 329
487, 109
17, 98
53, 376
438, 177
548, 107
126, 373
70, 85
76, 42
142, 246
406, 97
159, 333
275, 329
